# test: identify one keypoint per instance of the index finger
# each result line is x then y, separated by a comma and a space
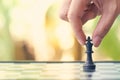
75, 13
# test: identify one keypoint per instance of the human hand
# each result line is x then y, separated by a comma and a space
78, 12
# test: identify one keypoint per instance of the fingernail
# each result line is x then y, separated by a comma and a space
96, 41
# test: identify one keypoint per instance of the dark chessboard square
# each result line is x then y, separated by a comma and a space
59, 71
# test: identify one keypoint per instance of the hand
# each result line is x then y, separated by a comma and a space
78, 12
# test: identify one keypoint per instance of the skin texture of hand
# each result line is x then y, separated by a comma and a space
78, 12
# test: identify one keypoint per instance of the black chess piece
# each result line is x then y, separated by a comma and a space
89, 66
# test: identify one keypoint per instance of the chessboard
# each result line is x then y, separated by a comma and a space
105, 70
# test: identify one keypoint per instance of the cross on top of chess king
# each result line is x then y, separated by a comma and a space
89, 66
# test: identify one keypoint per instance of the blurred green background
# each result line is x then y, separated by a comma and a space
32, 30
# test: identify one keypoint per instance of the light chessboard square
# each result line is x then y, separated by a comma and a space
105, 70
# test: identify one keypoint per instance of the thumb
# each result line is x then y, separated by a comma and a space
103, 27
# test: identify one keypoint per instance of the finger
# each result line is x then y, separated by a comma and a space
103, 27
75, 13
64, 9
91, 13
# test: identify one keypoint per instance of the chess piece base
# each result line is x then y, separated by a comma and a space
89, 68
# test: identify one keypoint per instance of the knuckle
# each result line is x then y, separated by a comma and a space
114, 9
72, 16
63, 16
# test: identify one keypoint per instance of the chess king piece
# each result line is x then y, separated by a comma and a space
89, 66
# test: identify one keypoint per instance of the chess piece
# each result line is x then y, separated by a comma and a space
89, 65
